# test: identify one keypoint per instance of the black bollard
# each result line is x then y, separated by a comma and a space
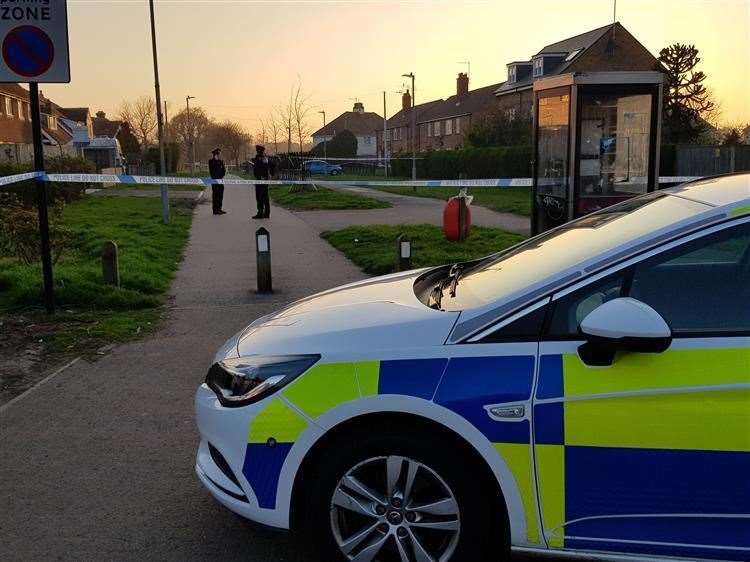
110, 264
263, 253
403, 251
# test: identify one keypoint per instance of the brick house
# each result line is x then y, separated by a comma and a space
363, 124
608, 48
398, 130
16, 143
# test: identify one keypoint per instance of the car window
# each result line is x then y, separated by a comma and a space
527, 328
702, 287
570, 310
615, 227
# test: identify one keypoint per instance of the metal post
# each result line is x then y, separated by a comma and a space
263, 260
325, 142
461, 218
41, 193
191, 152
385, 136
162, 187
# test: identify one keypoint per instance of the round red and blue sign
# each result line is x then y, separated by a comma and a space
28, 51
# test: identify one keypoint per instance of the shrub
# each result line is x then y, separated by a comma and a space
19, 230
469, 163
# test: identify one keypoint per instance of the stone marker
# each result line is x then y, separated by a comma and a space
110, 264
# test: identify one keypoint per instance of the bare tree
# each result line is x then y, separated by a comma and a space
141, 114
261, 136
301, 111
232, 138
274, 129
286, 121
193, 130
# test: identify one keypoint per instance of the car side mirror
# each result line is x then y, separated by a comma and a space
622, 324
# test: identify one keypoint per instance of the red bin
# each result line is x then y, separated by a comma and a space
450, 220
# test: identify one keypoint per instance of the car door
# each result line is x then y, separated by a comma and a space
651, 454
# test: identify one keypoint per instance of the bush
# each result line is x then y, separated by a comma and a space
469, 163
171, 157
63, 164
343, 145
667, 159
19, 230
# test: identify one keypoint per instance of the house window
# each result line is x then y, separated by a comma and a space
538, 67
458, 125
449, 127
436, 128
9, 107
511, 74
368, 140
21, 112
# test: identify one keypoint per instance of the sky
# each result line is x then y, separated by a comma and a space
240, 58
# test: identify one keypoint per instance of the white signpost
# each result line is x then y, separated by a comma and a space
34, 49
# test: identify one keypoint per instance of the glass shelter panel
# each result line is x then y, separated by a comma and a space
553, 127
614, 149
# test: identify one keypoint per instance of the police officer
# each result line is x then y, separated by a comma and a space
217, 171
263, 169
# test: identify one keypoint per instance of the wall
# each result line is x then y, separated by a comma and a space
364, 148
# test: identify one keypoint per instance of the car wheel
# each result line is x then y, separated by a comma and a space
400, 499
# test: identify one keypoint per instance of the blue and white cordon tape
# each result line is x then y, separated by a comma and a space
177, 181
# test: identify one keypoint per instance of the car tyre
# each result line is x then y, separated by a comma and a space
476, 540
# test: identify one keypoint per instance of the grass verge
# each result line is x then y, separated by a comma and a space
322, 199
505, 199
373, 248
91, 314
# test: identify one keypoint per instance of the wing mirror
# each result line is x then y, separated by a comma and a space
622, 324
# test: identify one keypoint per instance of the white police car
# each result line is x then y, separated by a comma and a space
587, 391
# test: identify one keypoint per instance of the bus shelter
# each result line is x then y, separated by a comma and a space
596, 142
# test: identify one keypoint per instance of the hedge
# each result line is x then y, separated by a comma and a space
468, 163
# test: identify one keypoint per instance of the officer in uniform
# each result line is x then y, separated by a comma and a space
263, 169
217, 171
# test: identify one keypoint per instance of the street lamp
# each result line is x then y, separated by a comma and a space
325, 146
190, 128
413, 130
157, 90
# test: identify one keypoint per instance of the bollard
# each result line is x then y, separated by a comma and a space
263, 253
110, 264
403, 249
461, 219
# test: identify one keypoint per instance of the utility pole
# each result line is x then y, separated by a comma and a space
325, 141
160, 122
413, 130
191, 152
385, 136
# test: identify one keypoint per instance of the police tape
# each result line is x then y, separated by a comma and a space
205, 182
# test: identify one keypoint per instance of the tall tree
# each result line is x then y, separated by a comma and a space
193, 130
301, 112
286, 120
274, 131
687, 102
141, 114
232, 138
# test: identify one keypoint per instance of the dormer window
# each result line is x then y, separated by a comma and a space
538, 67
572, 55
512, 74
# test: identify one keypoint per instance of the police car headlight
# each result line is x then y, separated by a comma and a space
244, 380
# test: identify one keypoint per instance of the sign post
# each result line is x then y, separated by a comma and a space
34, 47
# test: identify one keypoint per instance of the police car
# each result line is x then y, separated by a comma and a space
585, 392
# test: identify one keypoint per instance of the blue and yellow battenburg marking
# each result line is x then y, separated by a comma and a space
625, 454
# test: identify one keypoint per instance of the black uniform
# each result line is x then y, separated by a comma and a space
217, 171
263, 168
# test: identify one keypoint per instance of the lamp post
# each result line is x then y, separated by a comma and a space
325, 145
190, 128
413, 130
160, 122
385, 136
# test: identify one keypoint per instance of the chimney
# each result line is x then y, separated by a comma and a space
101, 114
462, 84
406, 100
359, 107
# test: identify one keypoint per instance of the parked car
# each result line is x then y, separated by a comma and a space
320, 167
586, 391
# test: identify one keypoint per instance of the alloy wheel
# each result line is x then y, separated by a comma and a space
394, 509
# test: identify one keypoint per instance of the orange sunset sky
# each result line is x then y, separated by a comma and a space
240, 58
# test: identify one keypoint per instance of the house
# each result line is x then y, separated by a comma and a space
363, 124
16, 142
398, 127
80, 123
608, 48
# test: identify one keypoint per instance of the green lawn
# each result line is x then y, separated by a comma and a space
373, 248
89, 313
358, 177
322, 198
154, 187
506, 199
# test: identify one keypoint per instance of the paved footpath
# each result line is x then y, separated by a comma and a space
408, 210
97, 464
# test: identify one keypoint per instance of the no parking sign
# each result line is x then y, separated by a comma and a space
34, 41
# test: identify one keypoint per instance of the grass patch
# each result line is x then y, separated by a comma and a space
373, 248
505, 199
322, 198
154, 187
357, 177
89, 312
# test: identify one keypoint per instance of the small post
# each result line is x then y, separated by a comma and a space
403, 248
461, 218
263, 253
110, 264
